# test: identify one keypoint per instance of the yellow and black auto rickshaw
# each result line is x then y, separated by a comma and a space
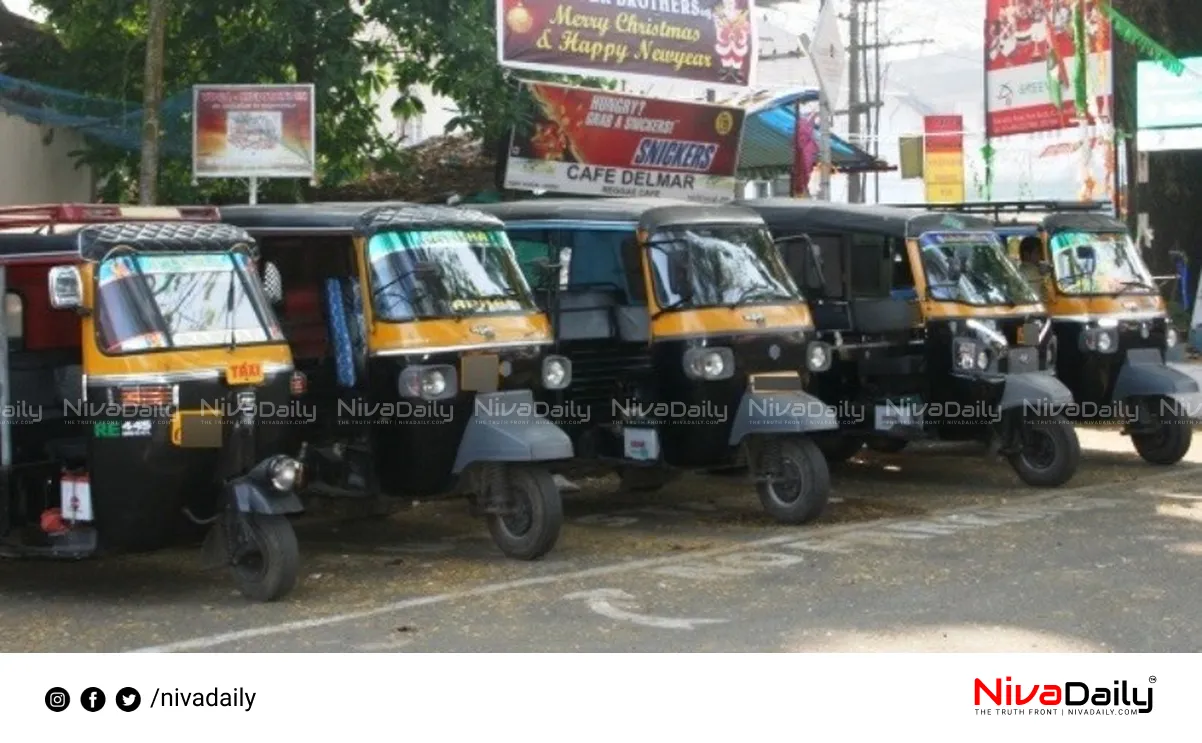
688, 340
420, 345
138, 347
936, 334
1119, 352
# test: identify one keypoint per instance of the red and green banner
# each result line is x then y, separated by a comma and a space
687, 40
589, 141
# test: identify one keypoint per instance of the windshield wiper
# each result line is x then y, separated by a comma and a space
754, 293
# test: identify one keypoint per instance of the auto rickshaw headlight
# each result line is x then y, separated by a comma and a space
557, 372
1052, 352
709, 364
983, 360
1170, 338
284, 472
428, 382
964, 354
818, 356
1102, 340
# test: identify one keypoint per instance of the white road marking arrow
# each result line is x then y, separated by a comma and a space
601, 600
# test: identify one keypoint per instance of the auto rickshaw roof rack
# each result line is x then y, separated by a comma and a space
347, 218
45, 218
94, 242
1016, 209
895, 221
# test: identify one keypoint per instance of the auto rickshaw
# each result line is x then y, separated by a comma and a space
419, 344
935, 333
1119, 352
688, 340
138, 347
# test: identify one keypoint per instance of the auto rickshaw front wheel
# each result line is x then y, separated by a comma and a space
1047, 452
530, 528
267, 568
792, 480
1167, 443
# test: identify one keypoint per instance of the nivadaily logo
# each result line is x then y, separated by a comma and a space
1069, 698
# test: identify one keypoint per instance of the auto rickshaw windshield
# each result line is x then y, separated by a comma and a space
727, 266
1098, 263
972, 268
445, 272
158, 301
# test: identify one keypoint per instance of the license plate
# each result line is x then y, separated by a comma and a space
900, 414
197, 429
641, 444
247, 372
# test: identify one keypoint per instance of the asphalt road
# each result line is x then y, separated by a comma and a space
938, 549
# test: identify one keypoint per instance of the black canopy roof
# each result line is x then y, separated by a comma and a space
352, 218
649, 214
93, 242
803, 215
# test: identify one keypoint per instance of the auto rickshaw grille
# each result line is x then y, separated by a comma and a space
599, 373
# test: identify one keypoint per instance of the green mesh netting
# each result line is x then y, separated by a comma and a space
115, 123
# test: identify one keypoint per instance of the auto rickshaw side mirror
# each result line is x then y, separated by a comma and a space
273, 283
66, 288
1045, 269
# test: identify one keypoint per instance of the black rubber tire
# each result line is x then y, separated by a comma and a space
645, 479
803, 458
1168, 445
838, 447
533, 490
273, 575
887, 444
1065, 454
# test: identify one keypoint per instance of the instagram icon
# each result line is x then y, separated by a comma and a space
57, 699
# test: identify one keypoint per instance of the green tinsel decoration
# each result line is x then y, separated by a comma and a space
987, 153
1081, 42
1130, 33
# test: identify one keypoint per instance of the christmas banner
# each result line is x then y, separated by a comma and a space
1047, 65
595, 142
260, 131
943, 159
686, 40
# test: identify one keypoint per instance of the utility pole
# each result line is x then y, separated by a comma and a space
865, 93
854, 192
152, 98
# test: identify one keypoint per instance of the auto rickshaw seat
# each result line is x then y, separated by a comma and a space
304, 323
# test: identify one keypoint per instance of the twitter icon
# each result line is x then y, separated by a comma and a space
128, 699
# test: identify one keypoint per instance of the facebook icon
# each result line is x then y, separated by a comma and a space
92, 699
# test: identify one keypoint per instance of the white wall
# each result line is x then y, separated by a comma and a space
432, 123
33, 172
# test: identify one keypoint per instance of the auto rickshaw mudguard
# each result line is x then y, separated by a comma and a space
515, 433
249, 496
1145, 374
1040, 388
781, 413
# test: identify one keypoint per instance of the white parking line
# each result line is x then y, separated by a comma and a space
1031, 507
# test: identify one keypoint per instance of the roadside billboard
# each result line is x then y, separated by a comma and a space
684, 40
594, 142
253, 131
1032, 70
943, 159
1169, 107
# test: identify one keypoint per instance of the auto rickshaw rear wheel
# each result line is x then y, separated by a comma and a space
268, 569
531, 528
1167, 443
795, 488
645, 479
886, 444
839, 447
1047, 452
